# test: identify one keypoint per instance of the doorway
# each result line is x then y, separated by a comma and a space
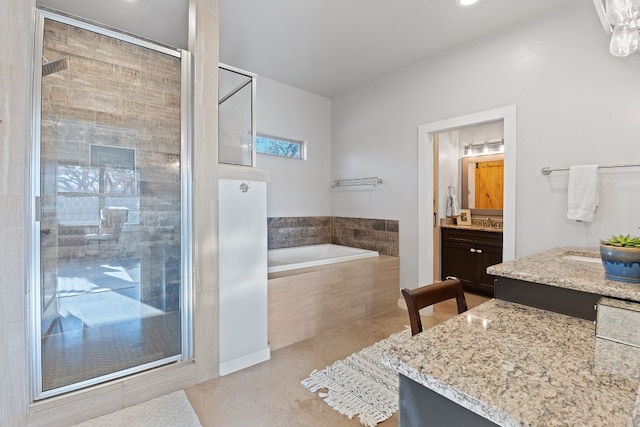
110, 277
427, 138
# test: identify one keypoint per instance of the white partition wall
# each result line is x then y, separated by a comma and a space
243, 274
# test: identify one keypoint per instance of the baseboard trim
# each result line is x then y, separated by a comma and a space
245, 361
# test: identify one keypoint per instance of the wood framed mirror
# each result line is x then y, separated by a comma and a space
483, 184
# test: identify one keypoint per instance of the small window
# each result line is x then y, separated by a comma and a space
283, 147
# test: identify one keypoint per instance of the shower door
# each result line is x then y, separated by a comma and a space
111, 208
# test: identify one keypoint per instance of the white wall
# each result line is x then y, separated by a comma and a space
448, 170
576, 104
297, 188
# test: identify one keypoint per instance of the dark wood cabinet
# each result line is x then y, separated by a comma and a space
466, 254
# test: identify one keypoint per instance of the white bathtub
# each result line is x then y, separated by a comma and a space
309, 256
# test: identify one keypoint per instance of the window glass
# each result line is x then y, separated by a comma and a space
120, 181
84, 190
78, 179
281, 147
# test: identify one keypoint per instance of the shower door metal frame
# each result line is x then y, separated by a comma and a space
33, 282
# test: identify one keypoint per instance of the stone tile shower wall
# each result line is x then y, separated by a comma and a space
374, 234
115, 94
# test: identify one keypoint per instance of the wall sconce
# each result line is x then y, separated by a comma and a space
623, 16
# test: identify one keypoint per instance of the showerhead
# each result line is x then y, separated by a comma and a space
50, 67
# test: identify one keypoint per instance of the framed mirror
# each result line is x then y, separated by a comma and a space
483, 184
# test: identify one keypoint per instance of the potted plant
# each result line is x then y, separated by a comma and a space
621, 258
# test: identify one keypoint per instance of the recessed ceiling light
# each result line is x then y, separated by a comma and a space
465, 3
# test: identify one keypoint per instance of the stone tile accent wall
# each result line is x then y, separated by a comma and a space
290, 232
374, 234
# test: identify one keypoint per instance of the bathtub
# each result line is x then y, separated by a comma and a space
309, 256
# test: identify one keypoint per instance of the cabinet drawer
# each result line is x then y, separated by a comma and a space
489, 238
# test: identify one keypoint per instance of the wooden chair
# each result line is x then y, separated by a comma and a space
425, 296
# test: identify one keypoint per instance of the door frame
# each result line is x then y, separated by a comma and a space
426, 134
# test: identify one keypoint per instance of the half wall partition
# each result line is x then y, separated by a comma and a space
110, 276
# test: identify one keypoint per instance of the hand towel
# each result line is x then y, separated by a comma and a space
453, 209
583, 192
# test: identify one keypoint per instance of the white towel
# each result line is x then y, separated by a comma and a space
453, 209
583, 192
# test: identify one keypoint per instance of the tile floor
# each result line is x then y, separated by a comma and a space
270, 394
84, 354
103, 325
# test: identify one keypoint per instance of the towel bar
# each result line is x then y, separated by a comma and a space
547, 170
374, 181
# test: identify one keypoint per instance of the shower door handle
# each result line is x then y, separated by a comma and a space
38, 209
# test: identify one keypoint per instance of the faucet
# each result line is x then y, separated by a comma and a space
490, 222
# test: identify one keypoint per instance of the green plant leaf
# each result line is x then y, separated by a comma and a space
623, 241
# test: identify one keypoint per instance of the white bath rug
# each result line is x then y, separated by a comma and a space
170, 410
360, 384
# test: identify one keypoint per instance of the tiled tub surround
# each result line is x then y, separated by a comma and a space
305, 302
517, 365
289, 232
578, 269
379, 235
374, 234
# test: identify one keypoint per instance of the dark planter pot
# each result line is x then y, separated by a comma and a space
621, 264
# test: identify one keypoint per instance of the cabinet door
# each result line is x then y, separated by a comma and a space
458, 260
490, 255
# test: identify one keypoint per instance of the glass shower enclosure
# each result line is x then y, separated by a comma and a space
236, 116
110, 276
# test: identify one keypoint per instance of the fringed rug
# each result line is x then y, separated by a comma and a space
360, 384
170, 410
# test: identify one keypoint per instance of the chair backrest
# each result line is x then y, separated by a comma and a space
425, 296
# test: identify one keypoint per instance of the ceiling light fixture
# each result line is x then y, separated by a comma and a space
624, 16
465, 3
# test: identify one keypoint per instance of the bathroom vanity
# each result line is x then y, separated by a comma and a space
510, 363
466, 252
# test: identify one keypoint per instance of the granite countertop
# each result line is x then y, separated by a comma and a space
473, 227
517, 365
579, 269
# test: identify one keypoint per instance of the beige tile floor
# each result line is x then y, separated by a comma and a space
270, 394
